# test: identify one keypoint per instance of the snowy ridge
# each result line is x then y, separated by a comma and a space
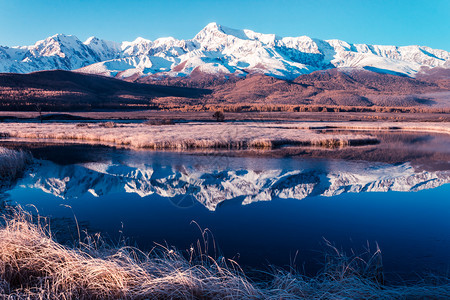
216, 49
212, 187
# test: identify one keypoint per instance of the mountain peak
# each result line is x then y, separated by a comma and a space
220, 31
141, 40
209, 29
214, 31
212, 25
91, 39
60, 37
217, 49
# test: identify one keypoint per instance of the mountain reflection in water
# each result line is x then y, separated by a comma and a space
212, 187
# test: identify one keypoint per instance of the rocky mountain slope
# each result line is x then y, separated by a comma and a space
216, 50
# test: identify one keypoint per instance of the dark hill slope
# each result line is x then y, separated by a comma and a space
65, 90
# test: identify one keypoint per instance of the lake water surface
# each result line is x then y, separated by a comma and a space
261, 209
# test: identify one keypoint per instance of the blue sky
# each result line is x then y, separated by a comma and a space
426, 22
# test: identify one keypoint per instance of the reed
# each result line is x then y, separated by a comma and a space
12, 164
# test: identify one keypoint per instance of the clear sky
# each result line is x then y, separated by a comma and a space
398, 22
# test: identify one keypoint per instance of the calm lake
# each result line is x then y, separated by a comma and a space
261, 209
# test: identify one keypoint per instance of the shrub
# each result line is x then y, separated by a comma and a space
108, 124
219, 116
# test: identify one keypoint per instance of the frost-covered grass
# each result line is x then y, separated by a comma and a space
234, 135
12, 164
441, 127
185, 136
34, 266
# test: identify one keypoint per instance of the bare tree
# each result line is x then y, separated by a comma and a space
39, 110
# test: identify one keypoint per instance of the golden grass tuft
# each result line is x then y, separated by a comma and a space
33, 265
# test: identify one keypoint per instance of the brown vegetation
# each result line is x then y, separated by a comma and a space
301, 108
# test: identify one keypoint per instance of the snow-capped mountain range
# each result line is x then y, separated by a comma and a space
212, 187
216, 49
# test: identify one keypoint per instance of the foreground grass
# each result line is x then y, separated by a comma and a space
34, 266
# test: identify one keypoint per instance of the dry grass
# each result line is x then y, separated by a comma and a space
12, 164
187, 135
34, 266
